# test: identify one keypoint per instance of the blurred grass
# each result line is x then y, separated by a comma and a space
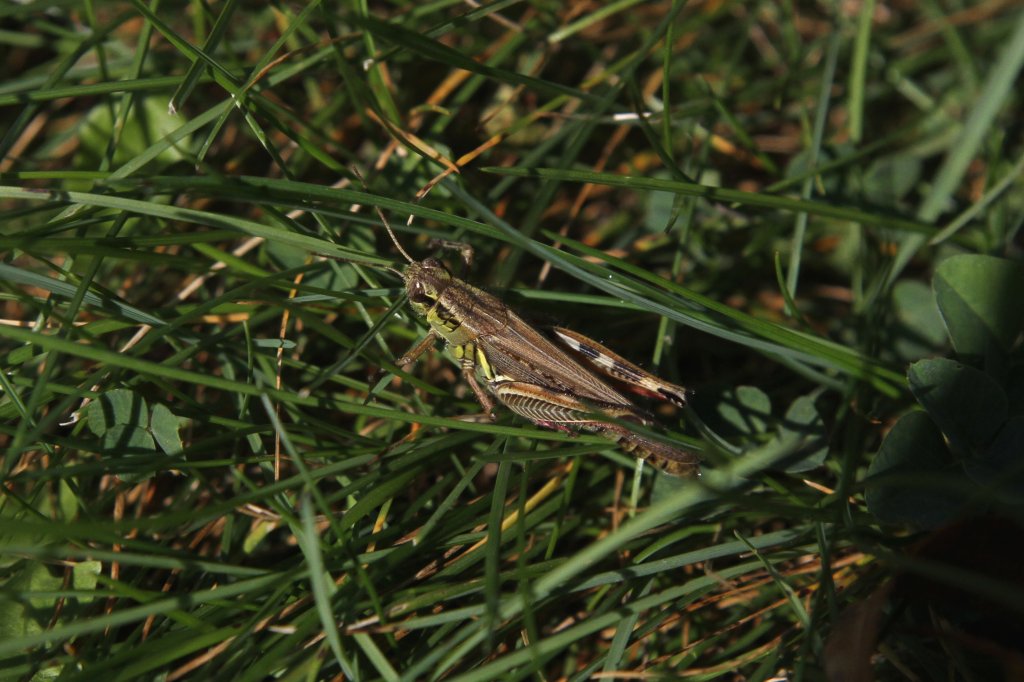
172, 175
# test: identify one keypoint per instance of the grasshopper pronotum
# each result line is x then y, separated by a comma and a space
527, 372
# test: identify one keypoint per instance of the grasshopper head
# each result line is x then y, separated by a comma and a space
425, 282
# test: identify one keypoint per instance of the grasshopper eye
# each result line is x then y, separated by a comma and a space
417, 294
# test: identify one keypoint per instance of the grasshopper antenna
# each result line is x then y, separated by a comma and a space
387, 224
391, 233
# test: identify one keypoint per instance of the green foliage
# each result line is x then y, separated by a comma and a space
976, 297
126, 427
796, 440
213, 469
964, 451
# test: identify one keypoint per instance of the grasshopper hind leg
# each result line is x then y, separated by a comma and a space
564, 412
666, 458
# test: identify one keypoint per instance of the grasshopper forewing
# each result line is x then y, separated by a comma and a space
529, 373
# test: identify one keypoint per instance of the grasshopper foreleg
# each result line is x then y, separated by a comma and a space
419, 349
465, 354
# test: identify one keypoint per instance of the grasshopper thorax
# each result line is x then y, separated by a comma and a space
425, 282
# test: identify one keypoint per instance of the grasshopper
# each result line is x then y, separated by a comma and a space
527, 372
